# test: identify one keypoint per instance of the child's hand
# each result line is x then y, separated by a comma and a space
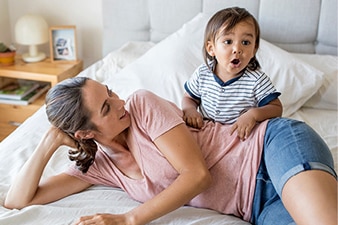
193, 118
244, 125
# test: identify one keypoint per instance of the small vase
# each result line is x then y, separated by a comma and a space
7, 58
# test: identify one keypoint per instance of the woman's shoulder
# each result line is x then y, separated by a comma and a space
143, 96
146, 101
153, 113
143, 92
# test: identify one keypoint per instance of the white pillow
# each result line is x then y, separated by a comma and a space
326, 97
295, 79
165, 68
116, 60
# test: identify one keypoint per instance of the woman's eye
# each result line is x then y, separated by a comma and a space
107, 109
110, 93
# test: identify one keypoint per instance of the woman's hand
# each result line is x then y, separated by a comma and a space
56, 135
104, 219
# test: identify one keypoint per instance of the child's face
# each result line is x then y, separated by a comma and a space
233, 49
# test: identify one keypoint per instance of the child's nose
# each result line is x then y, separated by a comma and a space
236, 49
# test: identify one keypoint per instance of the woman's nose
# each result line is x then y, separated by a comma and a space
120, 103
117, 103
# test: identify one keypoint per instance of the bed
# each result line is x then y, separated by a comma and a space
156, 45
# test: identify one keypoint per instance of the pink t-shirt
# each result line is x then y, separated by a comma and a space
233, 164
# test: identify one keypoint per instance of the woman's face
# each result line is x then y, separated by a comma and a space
107, 112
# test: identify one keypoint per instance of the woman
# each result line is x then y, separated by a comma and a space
144, 141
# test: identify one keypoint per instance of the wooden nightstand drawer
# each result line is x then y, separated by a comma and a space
18, 113
6, 129
13, 115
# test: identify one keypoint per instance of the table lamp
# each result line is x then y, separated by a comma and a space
31, 30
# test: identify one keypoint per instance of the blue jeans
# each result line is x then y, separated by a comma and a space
290, 147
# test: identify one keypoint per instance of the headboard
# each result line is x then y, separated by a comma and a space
306, 26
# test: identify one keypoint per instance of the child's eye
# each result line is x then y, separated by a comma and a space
228, 42
246, 42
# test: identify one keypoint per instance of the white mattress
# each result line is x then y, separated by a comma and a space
15, 150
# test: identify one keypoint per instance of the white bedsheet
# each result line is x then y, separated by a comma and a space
15, 150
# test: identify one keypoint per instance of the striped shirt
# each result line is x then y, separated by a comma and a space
224, 102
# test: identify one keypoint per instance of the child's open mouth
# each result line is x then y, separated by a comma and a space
235, 61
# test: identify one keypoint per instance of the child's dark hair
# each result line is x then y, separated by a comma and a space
227, 19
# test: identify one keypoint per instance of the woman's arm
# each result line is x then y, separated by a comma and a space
26, 188
184, 154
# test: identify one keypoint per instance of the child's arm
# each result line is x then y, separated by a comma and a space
247, 121
190, 114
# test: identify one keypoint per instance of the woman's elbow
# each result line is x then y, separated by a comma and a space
204, 179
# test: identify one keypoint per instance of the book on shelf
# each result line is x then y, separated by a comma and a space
31, 97
17, 90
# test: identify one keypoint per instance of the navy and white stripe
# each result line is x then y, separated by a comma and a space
224, 102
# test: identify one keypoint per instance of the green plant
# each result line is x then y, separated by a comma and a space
4, 48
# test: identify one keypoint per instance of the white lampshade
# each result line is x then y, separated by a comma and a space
32, 30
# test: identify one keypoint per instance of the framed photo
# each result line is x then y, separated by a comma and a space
62, 41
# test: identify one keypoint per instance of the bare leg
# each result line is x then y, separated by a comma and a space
311, 198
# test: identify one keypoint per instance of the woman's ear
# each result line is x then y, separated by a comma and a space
83, 134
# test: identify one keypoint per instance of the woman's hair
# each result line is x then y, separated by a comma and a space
65, 110
225, 20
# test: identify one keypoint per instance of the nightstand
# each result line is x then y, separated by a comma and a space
13, 115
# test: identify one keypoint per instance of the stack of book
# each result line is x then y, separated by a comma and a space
22, 92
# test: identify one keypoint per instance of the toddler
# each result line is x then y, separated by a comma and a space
229, 86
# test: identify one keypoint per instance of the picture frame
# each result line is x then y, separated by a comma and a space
62, 41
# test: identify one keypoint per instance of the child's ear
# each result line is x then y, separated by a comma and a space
210, 48
256, 48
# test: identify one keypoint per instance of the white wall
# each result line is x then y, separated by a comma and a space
84, 14
5, 34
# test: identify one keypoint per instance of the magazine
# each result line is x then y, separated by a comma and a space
18, 90
32, 96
